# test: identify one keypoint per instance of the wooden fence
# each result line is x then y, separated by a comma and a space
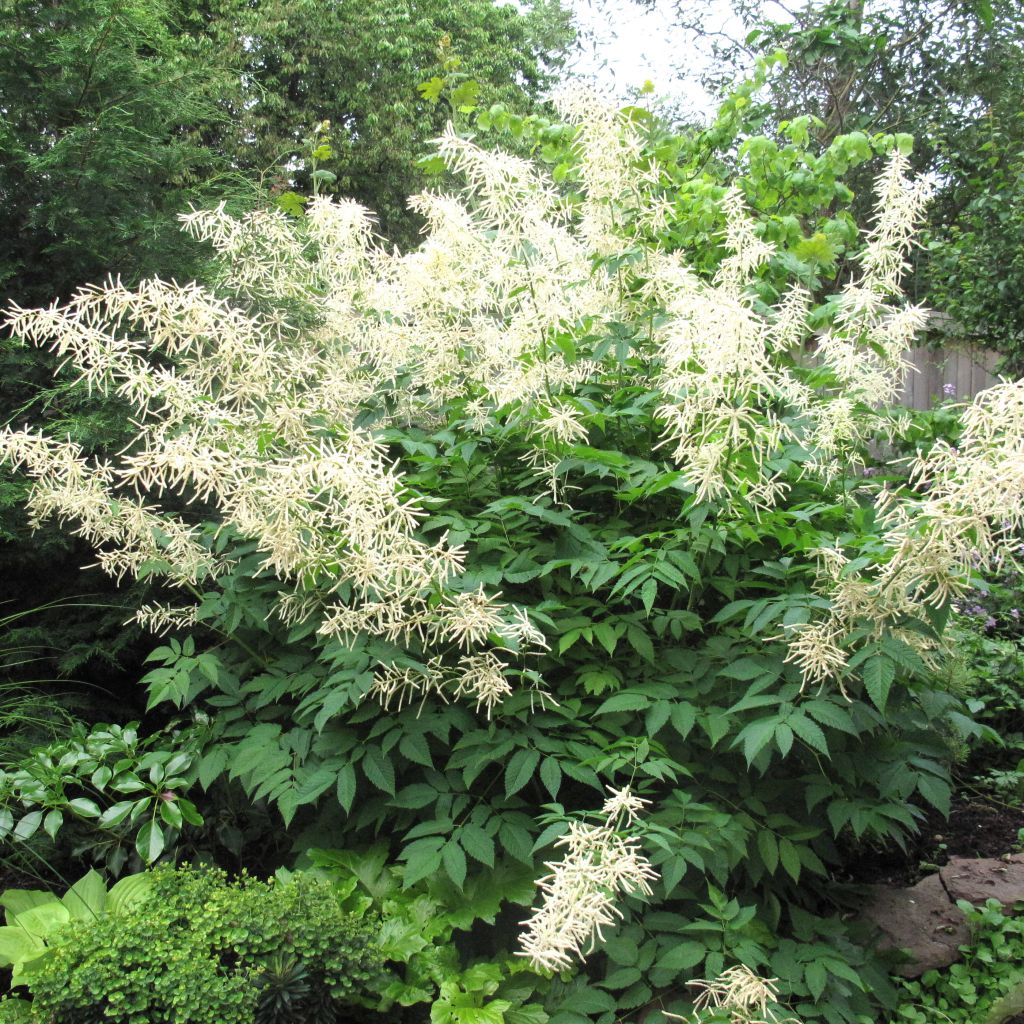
964, 371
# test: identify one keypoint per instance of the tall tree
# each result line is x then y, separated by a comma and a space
948, 72
105, 109
357, 64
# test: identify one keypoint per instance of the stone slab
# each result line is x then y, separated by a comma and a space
920, 919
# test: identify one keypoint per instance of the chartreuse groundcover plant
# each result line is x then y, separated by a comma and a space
187, 944
543, 551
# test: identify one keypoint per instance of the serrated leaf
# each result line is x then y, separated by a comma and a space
212, 766
415, 747
454, 861
379, 770
789, 859
755, 737
879, 673
744, 669
624, 702
519, 770
768, 848
809, 731
551, 775
623, 977
422, 858
477, 843
683, 956
816, 978
936, 792
346, 787
784, 738
683, 717
416, 796
649, 594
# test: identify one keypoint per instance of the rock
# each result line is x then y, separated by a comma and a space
920, 920
985, 879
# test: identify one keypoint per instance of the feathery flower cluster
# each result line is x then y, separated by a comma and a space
742, 994
269, 406
868, 344
579, 895
970, 503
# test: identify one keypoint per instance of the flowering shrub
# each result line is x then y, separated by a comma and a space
471, 533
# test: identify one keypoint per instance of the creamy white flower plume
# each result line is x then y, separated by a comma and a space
579, 897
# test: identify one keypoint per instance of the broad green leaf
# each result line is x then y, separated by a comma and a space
115, 814
809, 731
683, 956
755, 737
52, 823
422, 858
551, 776
16, 901
769, 850
789, 859
879, 673
477, 843
87, 898
346, 787
816, 978
624, 702
377, 767
129, 892
17, 944
520, 769
936, 792
44, 919
149, 843
454, 861
28, 826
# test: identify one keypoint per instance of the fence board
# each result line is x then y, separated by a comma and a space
968, 370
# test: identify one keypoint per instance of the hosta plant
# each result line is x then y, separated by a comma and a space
536, 545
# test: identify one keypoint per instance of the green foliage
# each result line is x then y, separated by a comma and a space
128, 790
117, 116
357, 65
201, 949
657, 615
108, 108
106, 105
977, 271
36, 921
431, 928
985, 987
988, 638
795, 188
667, 665
948, 74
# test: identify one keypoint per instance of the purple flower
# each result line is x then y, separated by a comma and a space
949, 390
990, 623
1014, 613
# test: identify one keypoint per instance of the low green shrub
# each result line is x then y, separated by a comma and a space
985, 987
203, 949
